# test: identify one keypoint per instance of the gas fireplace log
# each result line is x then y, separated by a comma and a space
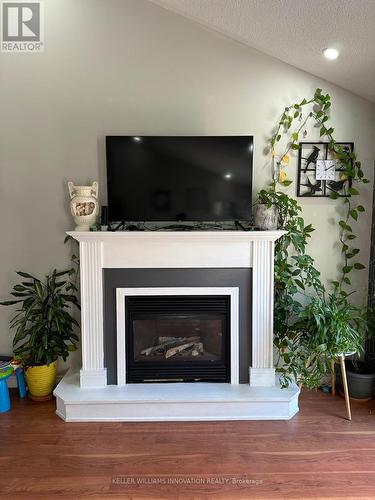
171, 342
155, 348
175, 350
150, 350
163, 340
197, 349
167, 340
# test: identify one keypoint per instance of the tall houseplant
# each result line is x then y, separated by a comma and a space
297, 281
311, 326
44, 326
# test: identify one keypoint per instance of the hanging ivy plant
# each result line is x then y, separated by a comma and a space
295, 275
317, 109
297, 281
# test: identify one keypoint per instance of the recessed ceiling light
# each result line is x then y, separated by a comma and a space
137, 139
331, 54
228, 175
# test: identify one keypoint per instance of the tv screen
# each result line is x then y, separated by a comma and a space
179, 178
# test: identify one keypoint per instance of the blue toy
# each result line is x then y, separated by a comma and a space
6, 372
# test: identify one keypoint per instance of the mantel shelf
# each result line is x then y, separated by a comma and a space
231, 236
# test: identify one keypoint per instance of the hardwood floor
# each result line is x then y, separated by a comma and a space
318, 454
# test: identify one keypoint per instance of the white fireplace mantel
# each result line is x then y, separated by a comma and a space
176, 249
181, 250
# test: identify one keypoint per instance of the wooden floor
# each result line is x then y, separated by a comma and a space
318, 454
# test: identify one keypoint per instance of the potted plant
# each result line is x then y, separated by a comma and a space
326, 327
44, 327
361, 379
336, 325
265, 210
360, 372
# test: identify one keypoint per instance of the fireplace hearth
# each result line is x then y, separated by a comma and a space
178, 339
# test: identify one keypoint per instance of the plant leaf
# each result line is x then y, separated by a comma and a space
359, 266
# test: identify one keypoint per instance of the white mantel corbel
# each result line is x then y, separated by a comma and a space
170, 249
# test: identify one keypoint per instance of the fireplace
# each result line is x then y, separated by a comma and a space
178, 338
212, 288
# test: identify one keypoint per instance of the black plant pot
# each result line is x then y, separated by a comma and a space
361, 379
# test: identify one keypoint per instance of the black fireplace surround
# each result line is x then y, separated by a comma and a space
170, 277
177, 338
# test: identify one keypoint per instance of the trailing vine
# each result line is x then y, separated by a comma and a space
295, 276
298, 336
318, 108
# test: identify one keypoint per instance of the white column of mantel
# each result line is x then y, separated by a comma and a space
262, 371
93, 373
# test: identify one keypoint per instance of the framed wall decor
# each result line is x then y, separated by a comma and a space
320, 172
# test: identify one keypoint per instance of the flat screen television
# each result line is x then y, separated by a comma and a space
159, 178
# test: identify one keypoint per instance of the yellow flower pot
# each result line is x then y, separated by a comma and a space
41, 380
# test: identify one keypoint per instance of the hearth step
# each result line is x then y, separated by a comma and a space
173, 402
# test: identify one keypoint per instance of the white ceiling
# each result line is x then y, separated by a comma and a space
296, 31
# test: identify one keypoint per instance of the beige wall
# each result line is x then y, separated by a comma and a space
128, 66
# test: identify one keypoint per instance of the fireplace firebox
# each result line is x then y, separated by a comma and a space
178, 338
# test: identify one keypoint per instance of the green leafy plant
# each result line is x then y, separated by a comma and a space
326, 327
304, 314
310, 327
317, 108
295, 271
43, 322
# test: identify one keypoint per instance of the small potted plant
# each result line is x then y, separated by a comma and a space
44, 327
265, 210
